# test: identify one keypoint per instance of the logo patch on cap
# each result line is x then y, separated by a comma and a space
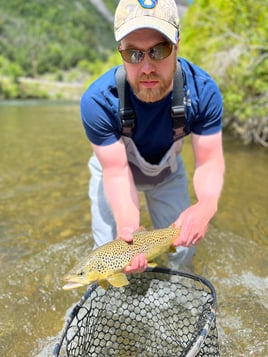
148, 4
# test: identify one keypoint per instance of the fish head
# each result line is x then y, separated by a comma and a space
80, 278
85, 272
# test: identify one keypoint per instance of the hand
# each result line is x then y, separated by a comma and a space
139, 263
194, 223
126, 234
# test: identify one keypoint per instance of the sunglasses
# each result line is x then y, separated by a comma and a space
156, 53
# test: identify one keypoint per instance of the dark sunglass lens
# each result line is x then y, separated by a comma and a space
157, 53
132, 56
161, 51
137, 56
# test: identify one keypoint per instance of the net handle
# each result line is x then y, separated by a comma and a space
202, 336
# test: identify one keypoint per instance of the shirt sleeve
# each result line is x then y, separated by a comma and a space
208, 119
99, 113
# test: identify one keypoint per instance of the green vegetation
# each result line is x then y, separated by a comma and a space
38, 37
45, 35
230, 40
69, 41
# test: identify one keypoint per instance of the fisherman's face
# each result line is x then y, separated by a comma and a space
151, 80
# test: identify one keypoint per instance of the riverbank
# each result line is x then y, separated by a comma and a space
49, 89
45, 87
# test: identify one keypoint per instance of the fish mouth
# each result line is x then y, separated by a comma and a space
72, 285
74, 282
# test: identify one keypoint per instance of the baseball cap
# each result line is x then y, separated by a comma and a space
159, 15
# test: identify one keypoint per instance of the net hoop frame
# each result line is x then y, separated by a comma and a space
197, 344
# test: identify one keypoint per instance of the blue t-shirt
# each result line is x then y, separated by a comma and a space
153, 132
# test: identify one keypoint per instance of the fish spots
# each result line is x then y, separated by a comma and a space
106, 263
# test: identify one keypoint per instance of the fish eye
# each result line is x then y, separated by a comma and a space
81, 273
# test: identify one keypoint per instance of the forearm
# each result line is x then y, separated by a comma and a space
122, 195
208, 182
209, 170
119, 185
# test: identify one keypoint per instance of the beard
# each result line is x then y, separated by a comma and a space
153, 94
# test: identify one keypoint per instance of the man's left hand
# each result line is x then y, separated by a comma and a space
194, 223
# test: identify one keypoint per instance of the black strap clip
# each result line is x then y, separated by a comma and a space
177, 112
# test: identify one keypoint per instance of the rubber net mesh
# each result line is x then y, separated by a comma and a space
160, 313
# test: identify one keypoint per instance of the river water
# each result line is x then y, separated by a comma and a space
45, 229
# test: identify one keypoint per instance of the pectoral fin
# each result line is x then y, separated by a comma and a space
118, 280
104, 284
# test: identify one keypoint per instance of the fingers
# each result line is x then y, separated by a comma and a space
126, 234
193, 229
197, 238
186, 235
137, 265
194, 223
189, 236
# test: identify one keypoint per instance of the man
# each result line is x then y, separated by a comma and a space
149, 160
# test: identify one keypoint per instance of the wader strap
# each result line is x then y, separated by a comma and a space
127, 113
177, 109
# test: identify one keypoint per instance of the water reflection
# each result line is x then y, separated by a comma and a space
45, 229
238, 269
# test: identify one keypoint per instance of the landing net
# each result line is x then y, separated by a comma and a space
161, 313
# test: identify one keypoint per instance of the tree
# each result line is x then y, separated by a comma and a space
230, 40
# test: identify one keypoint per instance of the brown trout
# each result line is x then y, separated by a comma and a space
106, 263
